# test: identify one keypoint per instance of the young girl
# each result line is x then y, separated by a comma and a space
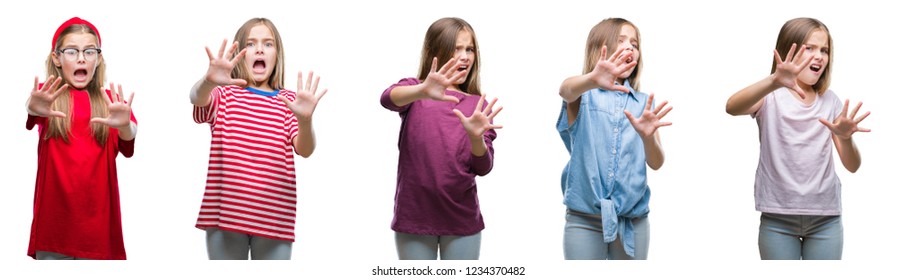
82, 128
249, 204
799, 118
441, 149
604, 183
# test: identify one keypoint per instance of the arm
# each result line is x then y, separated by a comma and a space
603, 75
119, 113
303, 107
647, 126
750, 99
842, 135
218, 74
477, 126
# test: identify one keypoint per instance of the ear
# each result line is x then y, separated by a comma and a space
56, 59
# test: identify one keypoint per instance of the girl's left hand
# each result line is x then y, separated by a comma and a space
479, 122
119, 111
845, 126
307, 98
649, 122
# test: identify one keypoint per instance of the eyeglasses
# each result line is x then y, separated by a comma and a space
71, 54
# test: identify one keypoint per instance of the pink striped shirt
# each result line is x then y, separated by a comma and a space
251, 185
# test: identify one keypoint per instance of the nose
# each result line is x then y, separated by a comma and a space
259, 49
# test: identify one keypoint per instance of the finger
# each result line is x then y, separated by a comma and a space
805, 62
103, 121
35, 84
233, 48
862, 117
221, 50
57, 114
239, 56
620, 88
488, 109
284, 99
59, 91
623, 57
664, 112
449, 98
209, 52
778, 57
799, 54
435, 65
790, 53
308, 81
664, 124
457, 76
479, 106
319, 96
495, 113
238, 82
459, 114
650, 102
658, 107
856, 110
451, 67
827, 123
616, 54
630, 117
120, 94
844, 109
52, 85
131, 100
106, 97
860, 129
112, 91
799, 91
495, 126
314, 87
299, 81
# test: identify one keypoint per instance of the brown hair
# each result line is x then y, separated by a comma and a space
796, 31
440, 42
241, 70
605, 33
59, 127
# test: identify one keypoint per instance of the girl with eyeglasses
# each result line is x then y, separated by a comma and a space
82, 128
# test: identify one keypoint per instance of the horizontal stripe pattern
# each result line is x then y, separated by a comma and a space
251, 183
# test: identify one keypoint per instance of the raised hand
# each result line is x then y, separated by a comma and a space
607, 71
481, 120
307, 98
119, 111
788, 69
845, 125
220, 67
649, 122
437, 81
42, 97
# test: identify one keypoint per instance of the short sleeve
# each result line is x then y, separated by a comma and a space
208, 114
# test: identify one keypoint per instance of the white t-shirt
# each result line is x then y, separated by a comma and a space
796, 174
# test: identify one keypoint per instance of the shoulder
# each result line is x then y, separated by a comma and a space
410, 81
289, 94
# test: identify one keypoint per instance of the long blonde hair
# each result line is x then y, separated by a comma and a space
440, 42
605, 33
241, 70
60, 127
796, 31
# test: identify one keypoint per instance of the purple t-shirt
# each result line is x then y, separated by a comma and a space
436, 190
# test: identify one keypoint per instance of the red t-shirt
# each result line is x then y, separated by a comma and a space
76, 205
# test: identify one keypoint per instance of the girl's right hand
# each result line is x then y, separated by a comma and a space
437, 81
220, 67
606, 71
788, 69
41, 101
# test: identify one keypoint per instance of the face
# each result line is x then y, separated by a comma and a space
261, 55
628, 40
465, 53
78, 57
817, 49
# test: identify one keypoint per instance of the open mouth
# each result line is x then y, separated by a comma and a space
629, 59
258, 66
462, 68
80, 74
815, 67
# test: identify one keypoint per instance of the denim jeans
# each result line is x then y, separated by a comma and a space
449, 247
584, 239
795, 237
229, 245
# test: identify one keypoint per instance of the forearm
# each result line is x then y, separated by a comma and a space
128, 133
850, 155
653, 152
404, 95
201, 93
481, 162
572, 88
745, 101
304, 143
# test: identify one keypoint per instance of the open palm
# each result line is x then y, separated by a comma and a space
607, 70
119, 110
649, 121
307, 97
220, 67
481, 120
788, 69
437, 81
42, 97
846, 124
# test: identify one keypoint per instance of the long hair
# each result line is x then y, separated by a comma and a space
440, 42
605, 33
796, 31
60, 127
242, 71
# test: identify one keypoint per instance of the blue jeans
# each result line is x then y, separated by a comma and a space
52, 256
450, 247
584, 239
795, 237
229, 245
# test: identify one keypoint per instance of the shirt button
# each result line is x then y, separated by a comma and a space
611, 174
616, 129
614, 151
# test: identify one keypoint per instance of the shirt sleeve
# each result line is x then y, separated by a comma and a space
126, 147
386, 101
208, 114
290, 123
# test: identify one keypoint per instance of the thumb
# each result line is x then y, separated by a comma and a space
620, 88
102, 121
238, 82
827, 123
283, 99
459, 114
450, 98
57, 114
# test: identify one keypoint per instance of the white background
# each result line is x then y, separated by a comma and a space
696, 54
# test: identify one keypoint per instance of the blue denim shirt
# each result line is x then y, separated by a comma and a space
606, 173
